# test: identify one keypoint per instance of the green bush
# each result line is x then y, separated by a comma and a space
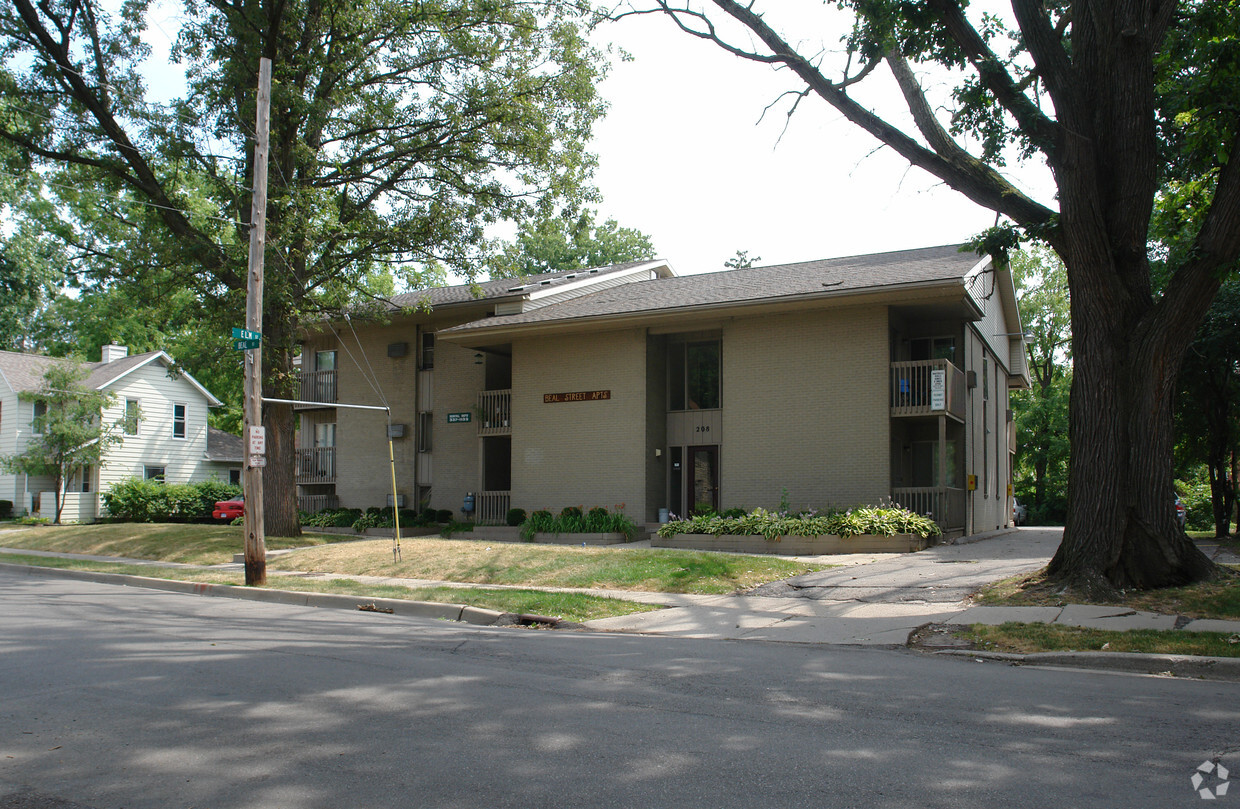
1195, 492
515, 516
444, 515
137, 500
878, 520
333, 518
572, 521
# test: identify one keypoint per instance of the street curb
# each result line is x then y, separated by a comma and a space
1225, 669
394, 606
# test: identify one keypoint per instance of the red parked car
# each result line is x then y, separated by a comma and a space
229, 509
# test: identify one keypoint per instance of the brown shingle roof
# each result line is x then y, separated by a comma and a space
498, 288
757, 284
223, 447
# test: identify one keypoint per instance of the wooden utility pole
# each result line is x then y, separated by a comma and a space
255, 547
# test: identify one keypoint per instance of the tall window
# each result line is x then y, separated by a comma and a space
325, 360
428, 351
131, 417
40, 414
694, 371
424, 431
178, 421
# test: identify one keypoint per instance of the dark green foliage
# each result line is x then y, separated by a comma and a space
880, 521
571, 520
137, 500
6, 509
734, 513
333, 518
444, 515
515, 516
570, 512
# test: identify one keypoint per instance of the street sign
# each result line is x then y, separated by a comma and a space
258, 439
246, 345
246, 334
257, 461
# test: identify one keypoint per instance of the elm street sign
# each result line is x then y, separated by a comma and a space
244, 339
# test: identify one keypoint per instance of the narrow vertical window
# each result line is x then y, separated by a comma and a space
428, 351
131, 417
178, 421
424, 431
40, 416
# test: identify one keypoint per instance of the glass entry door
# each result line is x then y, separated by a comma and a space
704, 479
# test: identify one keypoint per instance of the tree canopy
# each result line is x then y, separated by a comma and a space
399, 133
1125, 103
569, 240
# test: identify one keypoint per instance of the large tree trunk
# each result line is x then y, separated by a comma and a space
1121, 530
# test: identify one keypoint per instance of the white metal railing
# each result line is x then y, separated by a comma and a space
912, 388
316, 465
491, 508
495, 412
318, 386
943, 504
314, 503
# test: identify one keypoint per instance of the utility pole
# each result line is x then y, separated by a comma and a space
255, 547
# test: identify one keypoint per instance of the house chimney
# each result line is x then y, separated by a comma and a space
113, 352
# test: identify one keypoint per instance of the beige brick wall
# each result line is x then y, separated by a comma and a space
805, 406
580, 453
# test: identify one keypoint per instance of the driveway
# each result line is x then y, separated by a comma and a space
944, 574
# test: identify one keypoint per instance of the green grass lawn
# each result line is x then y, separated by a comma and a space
577, 607
189, 543
525, 564
1028, 638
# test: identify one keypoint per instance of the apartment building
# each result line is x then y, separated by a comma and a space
826, 383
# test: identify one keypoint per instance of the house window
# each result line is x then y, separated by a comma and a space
694, 371
155, 473
84, 485
131, 417
424, 431
234, 477
40, 415
428, 351
933, 348
325, 434
325, 360
178, 421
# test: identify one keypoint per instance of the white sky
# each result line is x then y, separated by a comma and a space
683, 159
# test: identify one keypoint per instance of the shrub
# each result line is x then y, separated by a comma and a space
572, 521
878, 520
137, 500
444, 515
6, 509
333, 518
515, 516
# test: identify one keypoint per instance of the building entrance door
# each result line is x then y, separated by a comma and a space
704, 479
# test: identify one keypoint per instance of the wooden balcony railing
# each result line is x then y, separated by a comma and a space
943, 504
495, 412
314, 503
491, 508
927, 387
318, 386
316, 465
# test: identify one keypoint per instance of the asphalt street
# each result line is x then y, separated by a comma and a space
126, 697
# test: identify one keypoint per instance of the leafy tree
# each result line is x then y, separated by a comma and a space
1118, 99
399, 132
1042, 448
569, 240
741, 261
1208, 417
69, 434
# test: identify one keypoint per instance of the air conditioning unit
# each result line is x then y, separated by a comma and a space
398, 349
396, 431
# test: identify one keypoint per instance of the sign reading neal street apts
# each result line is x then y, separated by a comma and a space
579, 396
459, 418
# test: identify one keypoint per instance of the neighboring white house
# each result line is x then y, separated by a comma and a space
168, 439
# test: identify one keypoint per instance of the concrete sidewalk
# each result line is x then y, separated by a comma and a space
869, 600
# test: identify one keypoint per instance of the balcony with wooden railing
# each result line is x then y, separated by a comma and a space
927, 388
492, 508
318, 387
943, 504
495, 412
316, 465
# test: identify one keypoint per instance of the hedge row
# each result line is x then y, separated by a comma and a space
138, 500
